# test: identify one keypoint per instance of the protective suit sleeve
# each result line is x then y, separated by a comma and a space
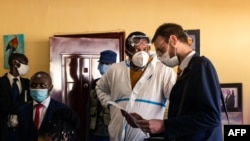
103, 90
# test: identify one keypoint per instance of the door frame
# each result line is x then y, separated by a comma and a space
107, 35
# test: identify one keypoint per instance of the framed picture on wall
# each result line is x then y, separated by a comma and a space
232, 96
194, 39
13, 43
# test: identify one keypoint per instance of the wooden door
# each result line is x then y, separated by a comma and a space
73, 67
77, 76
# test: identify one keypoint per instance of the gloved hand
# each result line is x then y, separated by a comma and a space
12, 121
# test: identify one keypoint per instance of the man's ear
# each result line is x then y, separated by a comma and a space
50, 88
173, 39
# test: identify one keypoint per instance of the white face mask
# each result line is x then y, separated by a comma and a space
22, 69
140, 59
171, 62
166, 60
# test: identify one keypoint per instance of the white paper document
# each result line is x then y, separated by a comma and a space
132, 118
115, 104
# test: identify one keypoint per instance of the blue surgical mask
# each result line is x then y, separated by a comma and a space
102, 68
39, 95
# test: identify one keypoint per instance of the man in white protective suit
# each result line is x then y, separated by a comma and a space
140, 84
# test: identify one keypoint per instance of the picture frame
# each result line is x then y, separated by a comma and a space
233, 105
13, 43
232, 94
194, 39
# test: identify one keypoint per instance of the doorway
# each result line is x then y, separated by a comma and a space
73, 67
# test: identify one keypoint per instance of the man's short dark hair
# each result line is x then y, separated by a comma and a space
167, 29
17, 56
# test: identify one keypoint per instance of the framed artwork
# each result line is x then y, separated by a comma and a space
12, 44
194, 39
232, 96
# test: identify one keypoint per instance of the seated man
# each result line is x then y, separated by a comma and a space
35, 115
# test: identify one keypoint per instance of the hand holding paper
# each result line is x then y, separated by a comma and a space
131, 118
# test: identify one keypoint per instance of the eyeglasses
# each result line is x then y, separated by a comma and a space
136, 40
159, 49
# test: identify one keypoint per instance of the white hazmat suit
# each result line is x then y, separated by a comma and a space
148, 97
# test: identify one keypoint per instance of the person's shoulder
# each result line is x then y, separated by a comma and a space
57, 103
24, 79
4, 76
200, 60
162, 69
117, 66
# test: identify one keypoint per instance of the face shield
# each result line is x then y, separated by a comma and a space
137, 40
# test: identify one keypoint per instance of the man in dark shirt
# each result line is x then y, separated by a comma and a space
100, 116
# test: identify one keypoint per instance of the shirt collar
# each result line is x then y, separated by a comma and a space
186, 60
45, 102
10, 77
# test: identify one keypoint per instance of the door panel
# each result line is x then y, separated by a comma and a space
77, 86
73, 67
